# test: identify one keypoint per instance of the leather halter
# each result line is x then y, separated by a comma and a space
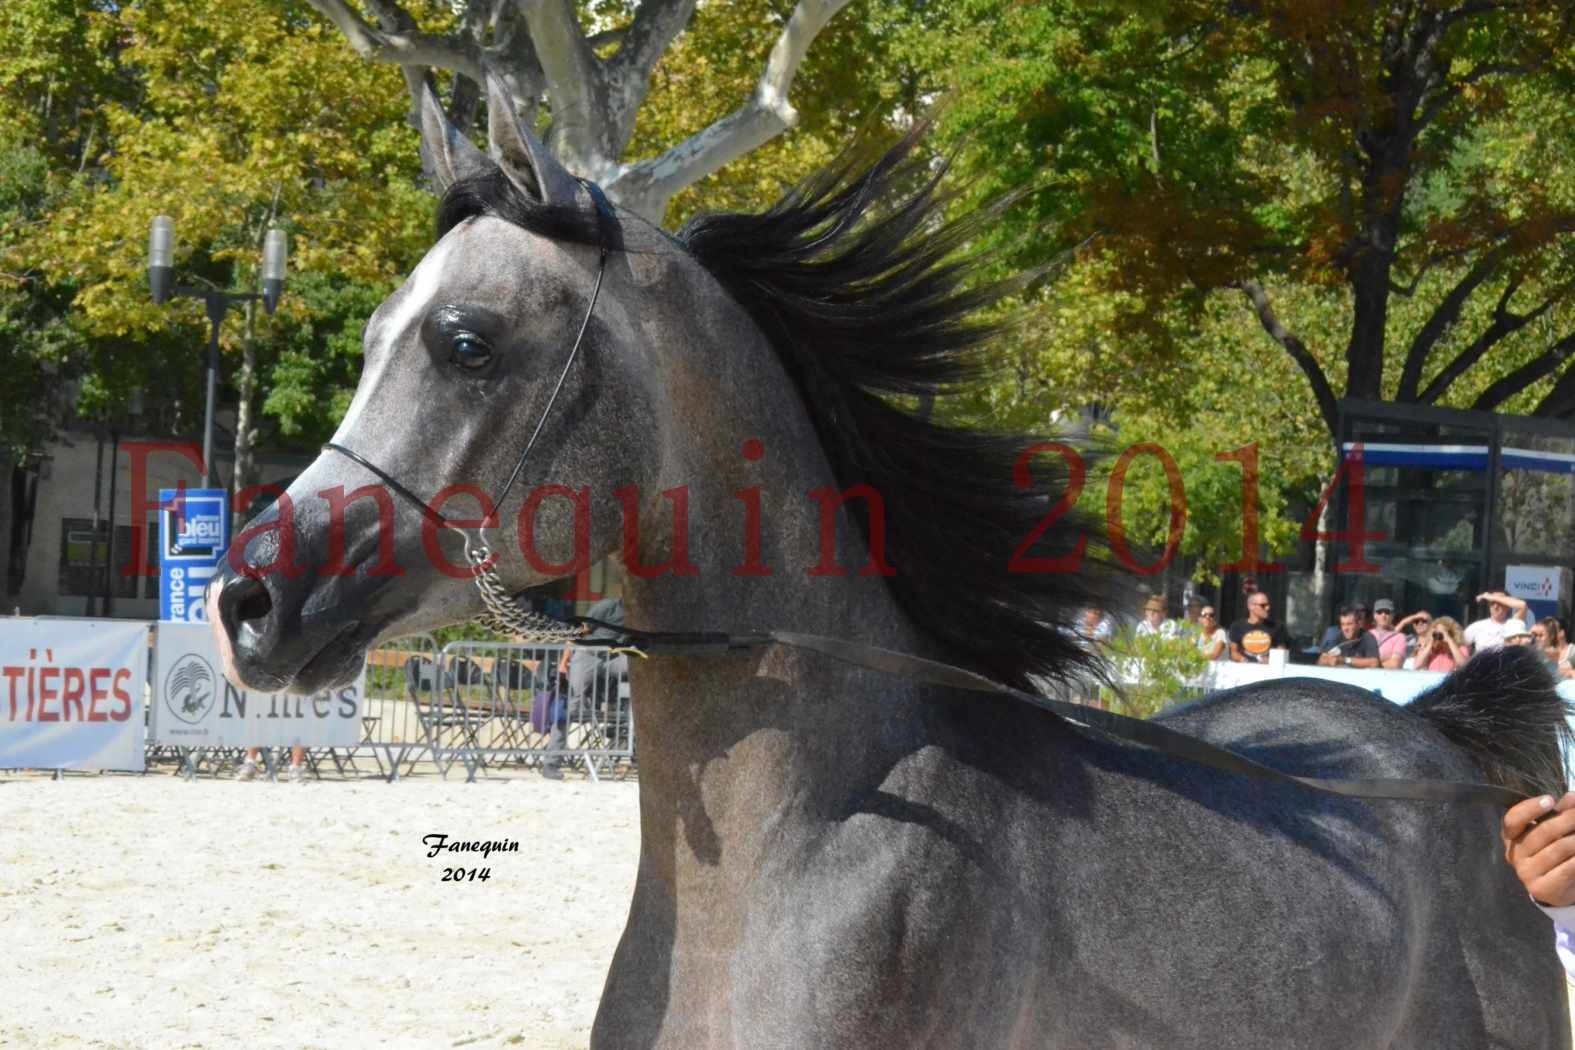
1089, 721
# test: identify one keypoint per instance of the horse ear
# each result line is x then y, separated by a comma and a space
446, 155
522, 156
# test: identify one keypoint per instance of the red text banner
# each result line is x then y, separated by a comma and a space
71, 693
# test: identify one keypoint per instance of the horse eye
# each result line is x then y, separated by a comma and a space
470, 353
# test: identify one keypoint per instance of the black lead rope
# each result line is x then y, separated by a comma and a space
1083, 719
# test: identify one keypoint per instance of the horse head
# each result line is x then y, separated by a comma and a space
460, 364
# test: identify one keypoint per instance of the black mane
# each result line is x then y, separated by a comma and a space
855, 279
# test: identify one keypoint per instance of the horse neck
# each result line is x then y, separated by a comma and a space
760, 734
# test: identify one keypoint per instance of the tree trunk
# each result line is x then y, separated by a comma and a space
1370, 277
7, 468
1323, 593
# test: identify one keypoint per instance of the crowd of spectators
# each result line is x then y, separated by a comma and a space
1358, 639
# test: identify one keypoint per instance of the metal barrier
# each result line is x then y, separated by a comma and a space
492, 704
474, 705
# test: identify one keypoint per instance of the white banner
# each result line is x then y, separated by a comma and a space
1400, 687
1534, 583
193, 705
71, 693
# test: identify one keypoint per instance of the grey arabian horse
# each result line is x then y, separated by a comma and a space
829, 856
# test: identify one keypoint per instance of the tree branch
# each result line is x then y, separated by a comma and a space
1444, 316
1322, 392
401, 48
572, 73
648, 185
1503, 324
656, 24
1528, 373
1560, 402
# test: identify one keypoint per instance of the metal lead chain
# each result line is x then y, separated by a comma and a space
504, 612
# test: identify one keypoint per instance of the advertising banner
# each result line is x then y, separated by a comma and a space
1543, 587
193, 705
194, 530
1400, 687
72, 693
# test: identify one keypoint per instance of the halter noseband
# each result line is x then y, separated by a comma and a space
504, 612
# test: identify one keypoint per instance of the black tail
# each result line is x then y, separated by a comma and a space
1500, 709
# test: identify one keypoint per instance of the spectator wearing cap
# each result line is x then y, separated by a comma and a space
1154, 622
1391, 642
1494, 629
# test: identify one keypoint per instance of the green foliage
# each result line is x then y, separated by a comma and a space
858, 76
1154, 672
228, 121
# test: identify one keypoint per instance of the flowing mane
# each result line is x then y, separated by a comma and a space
857, 280
867, 294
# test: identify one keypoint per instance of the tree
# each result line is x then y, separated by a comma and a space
1407, 163
229, 125
592, 81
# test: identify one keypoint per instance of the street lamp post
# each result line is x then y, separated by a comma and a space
161, 277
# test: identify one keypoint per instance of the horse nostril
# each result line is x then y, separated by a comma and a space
254, 606
245, 600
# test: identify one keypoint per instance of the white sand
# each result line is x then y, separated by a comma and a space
140, 912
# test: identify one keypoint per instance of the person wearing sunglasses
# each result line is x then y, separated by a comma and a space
1413, 629
1213, 641
1251, 639
1392, 643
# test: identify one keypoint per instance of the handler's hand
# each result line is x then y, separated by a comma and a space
1539, 843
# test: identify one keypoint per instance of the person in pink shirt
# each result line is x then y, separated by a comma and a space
1440, 648
1391, 641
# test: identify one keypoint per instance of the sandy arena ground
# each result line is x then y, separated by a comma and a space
148, 912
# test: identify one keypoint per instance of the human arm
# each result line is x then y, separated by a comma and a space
1233, 639
1214, 646
1539, 844
1517, 606
1365, 653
